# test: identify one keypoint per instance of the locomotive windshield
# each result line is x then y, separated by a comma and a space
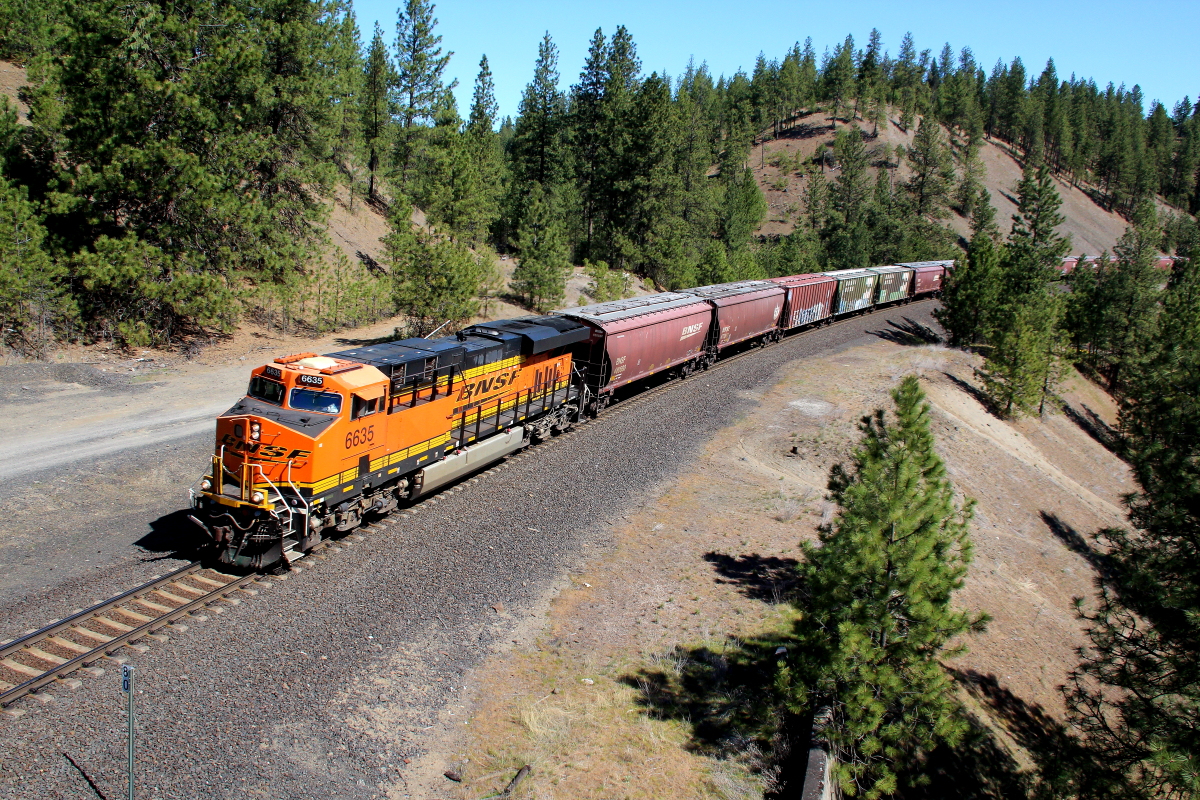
321, 402
263, 389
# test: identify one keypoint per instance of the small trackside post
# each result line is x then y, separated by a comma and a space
127, 687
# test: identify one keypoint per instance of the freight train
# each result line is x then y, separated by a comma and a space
321, 441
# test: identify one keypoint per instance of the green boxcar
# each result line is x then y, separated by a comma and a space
855, 290
893, 284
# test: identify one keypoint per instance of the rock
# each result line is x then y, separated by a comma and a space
587, 681
453, 775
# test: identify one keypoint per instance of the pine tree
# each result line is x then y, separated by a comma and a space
983, 216
419, 87
378, 77
877, 605
606, 284
536, 147
1020, 359
1140, 722
743, 209
541, 277
33, 300
1035, 249
435, 281
971, 293
932, 171
1132, 295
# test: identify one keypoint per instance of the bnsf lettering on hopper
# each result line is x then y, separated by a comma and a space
320, 441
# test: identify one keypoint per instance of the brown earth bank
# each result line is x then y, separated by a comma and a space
694, 575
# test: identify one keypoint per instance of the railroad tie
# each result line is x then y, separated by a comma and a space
44, 656
69, 645
90, 634
17, 666
112, 623
208, 581
161, 609
134, 615
174, 598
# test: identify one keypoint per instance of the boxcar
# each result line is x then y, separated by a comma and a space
743, 310
893, 284
855, 289
809, 298
928, 275
635, 338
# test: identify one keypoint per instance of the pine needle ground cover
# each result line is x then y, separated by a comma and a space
677, 617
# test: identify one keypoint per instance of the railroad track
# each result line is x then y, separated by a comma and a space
50, 654
44, 656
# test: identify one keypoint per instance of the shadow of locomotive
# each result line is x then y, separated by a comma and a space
909, 333
174, 536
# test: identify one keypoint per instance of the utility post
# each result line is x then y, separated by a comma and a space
127, 688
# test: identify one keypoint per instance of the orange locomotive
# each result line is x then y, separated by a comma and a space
319, 441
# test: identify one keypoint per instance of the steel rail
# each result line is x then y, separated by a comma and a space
116, 641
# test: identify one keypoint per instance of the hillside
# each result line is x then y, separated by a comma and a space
1092, 228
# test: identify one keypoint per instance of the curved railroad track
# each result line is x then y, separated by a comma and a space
51, 654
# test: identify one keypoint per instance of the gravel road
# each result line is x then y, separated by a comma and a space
323, 684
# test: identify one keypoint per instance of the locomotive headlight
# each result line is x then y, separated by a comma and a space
258, 497
205, 484
255, 430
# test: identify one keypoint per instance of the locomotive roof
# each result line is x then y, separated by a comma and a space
631, 307
540, 333
482, 343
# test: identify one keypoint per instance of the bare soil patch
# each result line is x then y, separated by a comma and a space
709, 561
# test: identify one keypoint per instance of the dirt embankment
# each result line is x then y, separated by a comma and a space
708, 565
1092, 228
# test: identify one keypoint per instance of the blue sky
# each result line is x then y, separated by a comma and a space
1151, 43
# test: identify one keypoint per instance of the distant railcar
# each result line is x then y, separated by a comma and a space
855, 290
809, 299
743, 311
893, 284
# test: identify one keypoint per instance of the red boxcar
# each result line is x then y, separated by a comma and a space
744, 310
928, 275
635, 338
809, 298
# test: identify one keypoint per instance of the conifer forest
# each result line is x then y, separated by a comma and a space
177, 168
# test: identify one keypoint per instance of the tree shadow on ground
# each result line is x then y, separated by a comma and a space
770, 579
1075, 541
1091, 424
983, 766
727, 695
974, 391
909, 333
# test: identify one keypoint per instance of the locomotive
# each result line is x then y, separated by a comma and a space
318, 442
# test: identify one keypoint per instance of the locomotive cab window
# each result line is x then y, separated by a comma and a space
362, 407
263, 389
311, 400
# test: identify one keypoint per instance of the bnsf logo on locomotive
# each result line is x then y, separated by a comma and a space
691, 330
263, 451
491, 383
